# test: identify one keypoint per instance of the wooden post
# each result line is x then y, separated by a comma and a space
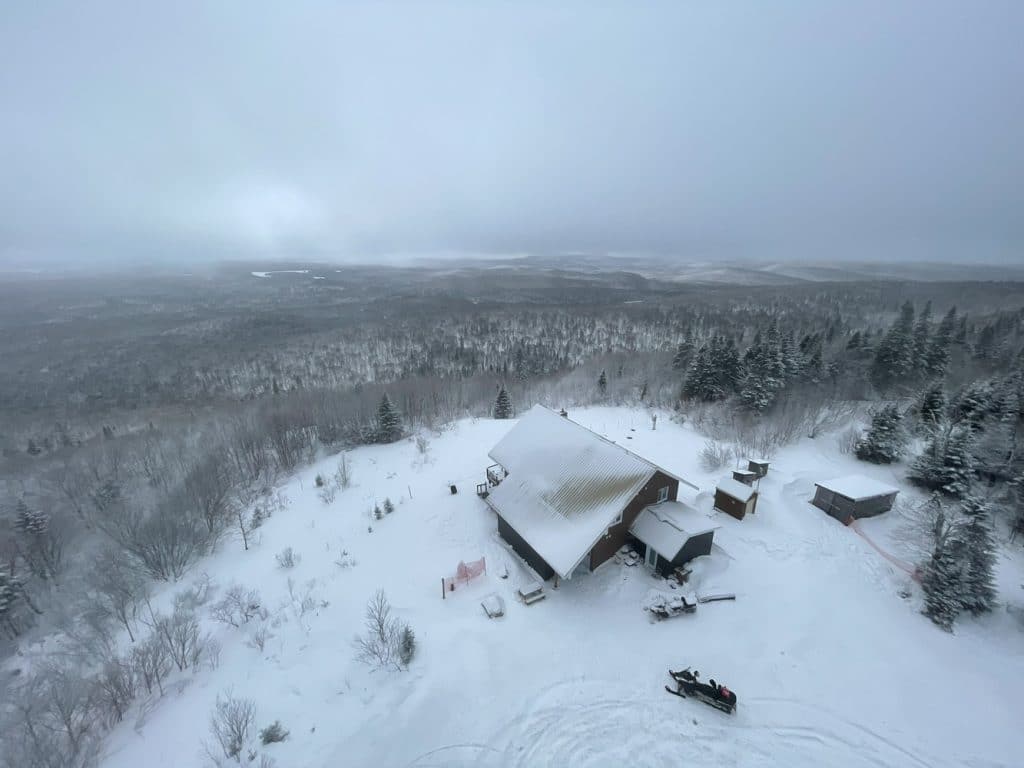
443, 595
410, 490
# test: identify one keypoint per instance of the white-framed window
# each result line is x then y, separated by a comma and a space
663, 494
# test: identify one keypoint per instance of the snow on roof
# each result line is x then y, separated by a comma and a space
857, 487
660, 526
565, 487
736, 489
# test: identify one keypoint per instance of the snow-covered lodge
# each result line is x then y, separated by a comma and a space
567, 499
853, 496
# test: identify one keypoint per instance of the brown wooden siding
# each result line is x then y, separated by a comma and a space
616, 535
732, 506
524, 550
843, 508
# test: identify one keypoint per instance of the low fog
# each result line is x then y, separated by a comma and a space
192, 131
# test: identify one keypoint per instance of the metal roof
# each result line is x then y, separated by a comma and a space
566, 485
857, 487
660, 526
735, 488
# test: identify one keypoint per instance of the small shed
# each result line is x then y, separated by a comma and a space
745, 476
735, 498
758, 466
854, 496
672, 534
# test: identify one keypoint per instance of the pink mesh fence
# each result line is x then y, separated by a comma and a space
903, 565
465, 573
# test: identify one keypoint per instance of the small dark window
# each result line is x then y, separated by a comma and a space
663, 494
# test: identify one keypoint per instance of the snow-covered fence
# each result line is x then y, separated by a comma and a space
464, 573
903, 565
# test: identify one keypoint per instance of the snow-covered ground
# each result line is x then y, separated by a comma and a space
282, 272
832, 667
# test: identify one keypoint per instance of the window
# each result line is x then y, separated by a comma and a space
616, 521
663, 494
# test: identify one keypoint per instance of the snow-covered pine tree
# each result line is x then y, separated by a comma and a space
946, 464
895, 354
938, 351
700, 380
922, 330
933, 405
683, 355
7, 597
388, 506
979, 587
884, 441
389, 423
974, 404
942, 584
30, 521
958, 464
602, 384
761, 378
503, 405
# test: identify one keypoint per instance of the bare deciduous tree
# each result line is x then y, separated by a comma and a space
381, 643
152, 663
119, 586
231, 726
238, 606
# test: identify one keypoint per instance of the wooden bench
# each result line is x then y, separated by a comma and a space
532, 593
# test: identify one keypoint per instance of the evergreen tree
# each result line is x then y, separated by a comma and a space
602, 384
895, 354
503, 405
979, 593
762, 374
388, 506
389, 423
946, 464
31, 522
884, 442
942, 584
938, 351
933, 406
922, 330
8, 596
854, 342
700, 381
683, 355
974, 404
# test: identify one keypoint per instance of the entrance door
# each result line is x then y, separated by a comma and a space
651, 558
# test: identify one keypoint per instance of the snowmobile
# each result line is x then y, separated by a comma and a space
688, 684
667, 606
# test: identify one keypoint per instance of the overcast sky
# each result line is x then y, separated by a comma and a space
812, 129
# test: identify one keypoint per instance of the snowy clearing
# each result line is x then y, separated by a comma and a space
831, 666
281, 272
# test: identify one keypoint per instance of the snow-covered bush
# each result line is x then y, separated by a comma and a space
258, 638
238, 606
388, 507
406, 646
319, 481
231, 725
287, 558
343, 476
848, 440
381, 643
273, 733
714, 455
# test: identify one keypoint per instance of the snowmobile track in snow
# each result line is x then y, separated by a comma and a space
585, 723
